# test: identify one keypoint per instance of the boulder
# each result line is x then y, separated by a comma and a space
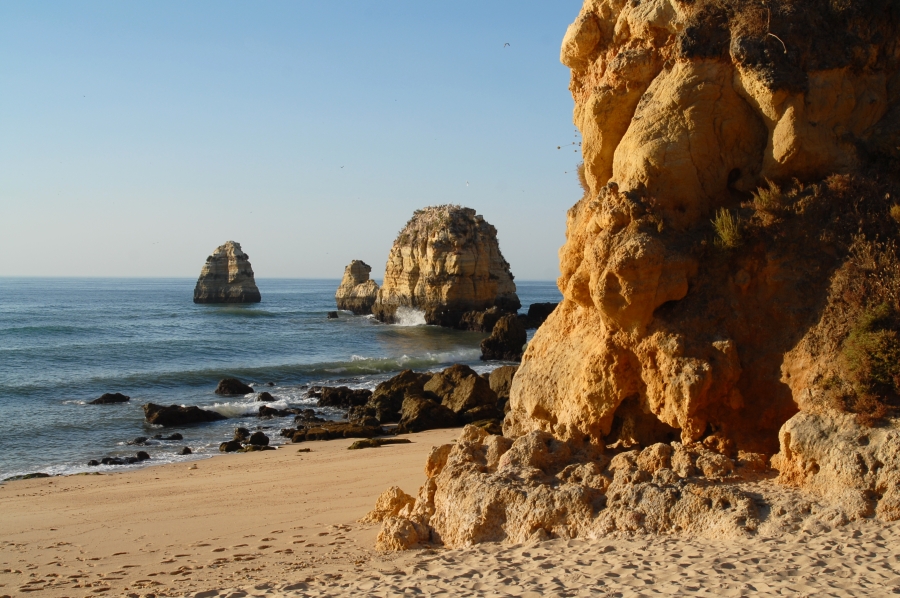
139, 440
445, 262
501, 381
232, 386
177, 415
258, 439
227, 277
387, 399
110, 399
175, 436
343, 397
332, 315
481, 321
506, 341
241, 434
357, 292
332, 430
420, 413
231, 446
185, 451
265, 397
376, 442
460, 388
538, 314
142, 455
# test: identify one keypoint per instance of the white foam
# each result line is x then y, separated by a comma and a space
408, 316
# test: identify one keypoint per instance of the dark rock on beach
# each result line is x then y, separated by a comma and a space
232, 387
343, 397
332, 315
501, 381
142, 455
241, 434
231, 446
265, 397
387, 401
93, 463
376, 442
110, 399
27, 476
507, 340
420, 413
185, 451
140, 440
258, 439
460, 388
175, 436
332, 430
176, 415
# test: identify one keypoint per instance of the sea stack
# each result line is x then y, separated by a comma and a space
227, 277
445, 262
730, 289
356, 292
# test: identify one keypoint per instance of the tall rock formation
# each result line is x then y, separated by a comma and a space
686, 108
227, 277
446, 261
356, 292
731, 288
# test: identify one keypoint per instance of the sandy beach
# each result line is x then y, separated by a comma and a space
284, 523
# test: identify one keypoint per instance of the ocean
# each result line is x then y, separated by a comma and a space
64, 342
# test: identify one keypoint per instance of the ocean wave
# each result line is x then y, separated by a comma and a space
408, 316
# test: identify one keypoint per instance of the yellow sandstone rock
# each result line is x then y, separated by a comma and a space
446, 261
227, 277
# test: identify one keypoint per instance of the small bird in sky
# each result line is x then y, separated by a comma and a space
467, 183
341, 166
506, 44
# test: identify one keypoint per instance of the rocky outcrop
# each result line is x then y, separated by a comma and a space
730, 284
321, 430
232, 387
488, 488
110, 399
685, 109
356, 292
342, 397
227, 277
506, 341
445, 262
178, 415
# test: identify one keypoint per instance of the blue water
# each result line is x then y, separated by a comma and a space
64, 342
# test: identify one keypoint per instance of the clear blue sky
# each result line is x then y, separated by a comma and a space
135, 137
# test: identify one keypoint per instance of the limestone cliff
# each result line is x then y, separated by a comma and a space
227, 277
731, 288
686, 110
356, 292
446, 261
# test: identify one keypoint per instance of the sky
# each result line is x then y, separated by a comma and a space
136, 137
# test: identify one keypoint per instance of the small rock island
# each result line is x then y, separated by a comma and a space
227, 277
446, 262
357, 292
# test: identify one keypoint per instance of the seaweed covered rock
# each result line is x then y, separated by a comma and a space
445, 262
357, 292
227, 277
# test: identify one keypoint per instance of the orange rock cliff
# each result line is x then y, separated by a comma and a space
731, 284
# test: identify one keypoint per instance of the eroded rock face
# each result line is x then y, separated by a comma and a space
356, 292
227, 277
833, 456
446, 262
684, 108
489, 488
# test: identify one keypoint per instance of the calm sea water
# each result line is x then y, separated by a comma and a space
64, 342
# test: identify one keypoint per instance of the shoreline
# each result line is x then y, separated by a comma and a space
181, 527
